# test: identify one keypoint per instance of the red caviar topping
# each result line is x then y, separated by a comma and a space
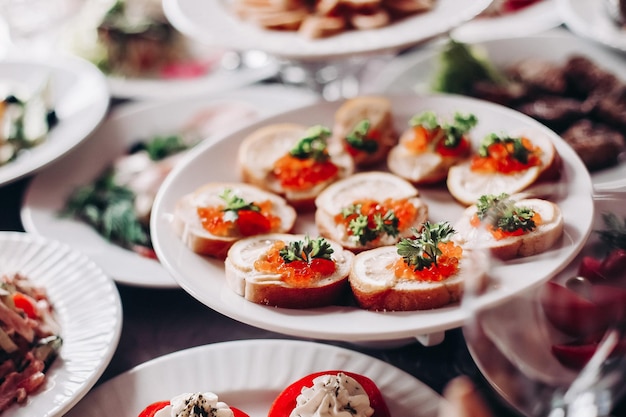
501, 157
246, 223
402, 208
421, 139
295, 273
446, 266
303, 174
499, 233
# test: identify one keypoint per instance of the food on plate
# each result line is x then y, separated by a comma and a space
346, 393
430, 146
503, 7
29, 338
292, 160
510, 227
585, 311
578, 98
290, 271
364, 127
369, 209
617, 11
133, 38
324, 18
118, 203
426, 271
26, 117
192, 404
503, 164
213, 217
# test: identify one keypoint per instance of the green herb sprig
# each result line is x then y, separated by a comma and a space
451, 133
519, 152
360, 227
422, 251
306, 250
502, 212
313, 144
234, 203
358, 139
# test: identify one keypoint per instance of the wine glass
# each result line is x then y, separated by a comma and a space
557, 348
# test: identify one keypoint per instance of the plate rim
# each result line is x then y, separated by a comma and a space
579, 25
98, 109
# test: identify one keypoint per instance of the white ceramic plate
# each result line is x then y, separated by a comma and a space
533, 19
88, 309
249, 375
47, 193
415, 72
204, 279
212, 22
80, 98
590, 19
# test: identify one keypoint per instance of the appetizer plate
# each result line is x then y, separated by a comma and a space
212, 22
415, 72
88, 310
533, 19
591, 19
47, 193
79, 95
203, 277
249, 375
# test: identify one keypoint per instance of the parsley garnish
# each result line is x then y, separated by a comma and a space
234, 203
502, 213
451, 133
313, 144
306, 250
615, 236
108, 208
358, 139
360, 227
423, 250
514, 147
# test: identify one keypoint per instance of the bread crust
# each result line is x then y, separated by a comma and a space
375, 286
466, 186
540, 240
260, 150
376, 185
189, 229
270, 289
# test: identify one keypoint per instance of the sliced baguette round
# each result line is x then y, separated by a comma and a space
374, 185
260, 150
270, 289
377, 110
466, 186
188, 225
375, 286
539, 240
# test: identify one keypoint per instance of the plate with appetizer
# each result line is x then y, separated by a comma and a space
321, 29
510, 18
260, 378
63, 322
354, 212
104, 207
46, 108
602, 21
501, 70
144, 57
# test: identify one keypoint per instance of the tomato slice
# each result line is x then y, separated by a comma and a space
27, 304
284, 404
152, 409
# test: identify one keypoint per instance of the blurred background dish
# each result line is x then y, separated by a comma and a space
88, 310
250, 374
536, 17
73, 91
209, 117
593, 20
204, 279
214, 24
421, 70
